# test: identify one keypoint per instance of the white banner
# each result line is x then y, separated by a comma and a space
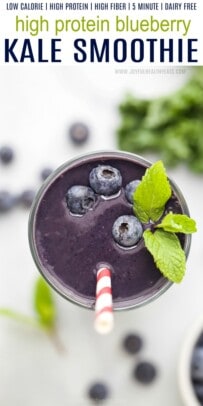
117, 33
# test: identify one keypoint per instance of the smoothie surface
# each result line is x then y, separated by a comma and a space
70, 247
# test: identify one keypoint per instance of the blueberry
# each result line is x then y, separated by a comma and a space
98, 391
145, 372
200, 340
6, 154
198, 388
45, 173
132, 343
127, 230
197, 364
105, 180
78, 133
130, 189
26, 198
80, 199
7, 201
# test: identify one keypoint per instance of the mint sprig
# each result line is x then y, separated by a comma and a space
152, 194
19, 317
150, 198
44, 304
178, 223
168, 255
45, 309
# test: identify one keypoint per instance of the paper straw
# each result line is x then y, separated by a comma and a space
103, 305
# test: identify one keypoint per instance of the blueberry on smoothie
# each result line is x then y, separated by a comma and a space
127, 230
80, 199
130, 189
145, 372
105, 180
98, 391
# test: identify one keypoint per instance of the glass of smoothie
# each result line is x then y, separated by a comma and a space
69, 242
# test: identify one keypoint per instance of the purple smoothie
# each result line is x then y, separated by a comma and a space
68, 248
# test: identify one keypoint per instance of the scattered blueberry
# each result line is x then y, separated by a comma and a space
98, 391
132, 343
200, 340
105, 180
7, 201
27, 197
79, 133
127, 230
130, 189
198, 388
45, 173
197, 364
6, 154
145, 372
80, 199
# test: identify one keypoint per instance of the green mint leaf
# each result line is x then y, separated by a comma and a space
168, 255
178, 223
152, 194
19, 317
44, 304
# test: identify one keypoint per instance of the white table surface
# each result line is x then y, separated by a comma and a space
37, 106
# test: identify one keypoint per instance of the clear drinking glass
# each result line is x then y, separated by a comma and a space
66, 291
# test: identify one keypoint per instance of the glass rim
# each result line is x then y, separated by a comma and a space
66, 292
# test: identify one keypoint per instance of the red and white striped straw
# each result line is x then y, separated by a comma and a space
103, 305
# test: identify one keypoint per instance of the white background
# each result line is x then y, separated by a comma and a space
37, 107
